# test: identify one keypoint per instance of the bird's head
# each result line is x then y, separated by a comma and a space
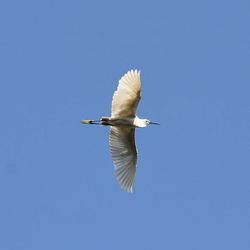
145, 122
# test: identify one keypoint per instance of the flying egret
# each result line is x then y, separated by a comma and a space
123, 122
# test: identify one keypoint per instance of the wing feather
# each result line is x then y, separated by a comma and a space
127, 96
124, 155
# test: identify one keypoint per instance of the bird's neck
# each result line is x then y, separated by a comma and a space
139, 122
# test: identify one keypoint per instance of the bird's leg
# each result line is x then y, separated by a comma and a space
103, 121
96, 122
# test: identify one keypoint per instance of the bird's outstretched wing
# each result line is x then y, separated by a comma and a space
124, 155
127, 95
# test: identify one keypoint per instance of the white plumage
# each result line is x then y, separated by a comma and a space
123, 122
127, 95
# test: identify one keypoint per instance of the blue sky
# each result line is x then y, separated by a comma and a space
61, 61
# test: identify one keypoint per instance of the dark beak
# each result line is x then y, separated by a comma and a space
154, 123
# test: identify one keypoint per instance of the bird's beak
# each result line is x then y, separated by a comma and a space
154, 123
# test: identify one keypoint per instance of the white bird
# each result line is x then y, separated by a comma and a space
123, 122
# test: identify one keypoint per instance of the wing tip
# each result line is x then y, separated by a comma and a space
132, 74
128, 189
134, 71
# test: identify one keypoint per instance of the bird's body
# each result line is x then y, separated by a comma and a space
123, 122
133, 122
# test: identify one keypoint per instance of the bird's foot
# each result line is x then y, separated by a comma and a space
90, 122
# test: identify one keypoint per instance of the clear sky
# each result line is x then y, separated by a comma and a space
60, 62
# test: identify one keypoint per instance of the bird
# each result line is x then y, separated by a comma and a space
123, 122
